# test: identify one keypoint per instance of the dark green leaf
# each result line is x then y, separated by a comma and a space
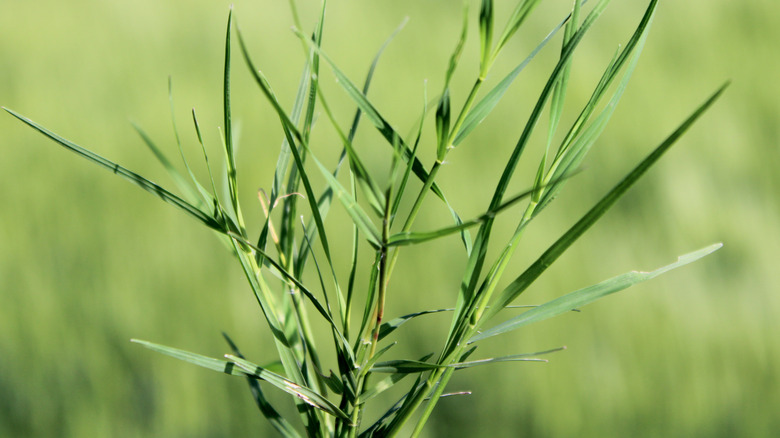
485, 35
443, 125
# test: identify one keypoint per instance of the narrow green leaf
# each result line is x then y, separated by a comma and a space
370, 301
176, 176
381, 386
455, 57
219, 365
387, 131
208, 198
573, 148
578, 141
381, 426
390, 326
482, 109
485, 35
290, 277
519, 285
443, 124
387, 382
306, 394
467, 296
370, 188
269, 412
229, 145
325, 199
410, 238
590, 294
219, 214
419, 366
559, 95
363, 103
358, 215
401, 189
402, 366
133, 177
525, 357
519, 15
333, 382
292, 134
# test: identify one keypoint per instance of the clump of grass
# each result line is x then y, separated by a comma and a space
331, 397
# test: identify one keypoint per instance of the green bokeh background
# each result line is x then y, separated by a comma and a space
88, 261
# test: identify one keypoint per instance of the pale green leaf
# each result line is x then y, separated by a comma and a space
590, 294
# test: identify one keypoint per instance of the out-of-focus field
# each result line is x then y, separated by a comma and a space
88, 261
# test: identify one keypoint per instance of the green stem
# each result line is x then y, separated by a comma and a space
465, 109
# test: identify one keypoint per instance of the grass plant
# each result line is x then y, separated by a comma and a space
289, 261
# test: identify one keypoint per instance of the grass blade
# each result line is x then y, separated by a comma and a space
291, 278
455, 57
590, 294
218, 365
485, 35
204, 217
176, 176
306, 394
269, 412
482, 109
370, 188
524, 357
387, 131
208, 198
230, 157
443, 125
519, 285
410, 238
573, 148
467, 296
292, 134
356, 213
519, 15
390, 326
578, 140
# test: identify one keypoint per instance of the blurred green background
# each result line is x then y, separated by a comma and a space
87, 261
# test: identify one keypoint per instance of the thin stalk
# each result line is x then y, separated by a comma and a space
380, 309
443, 377
383, 280
465, 109
496, 273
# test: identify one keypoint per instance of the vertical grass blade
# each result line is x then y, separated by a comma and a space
485, 36
229, 145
